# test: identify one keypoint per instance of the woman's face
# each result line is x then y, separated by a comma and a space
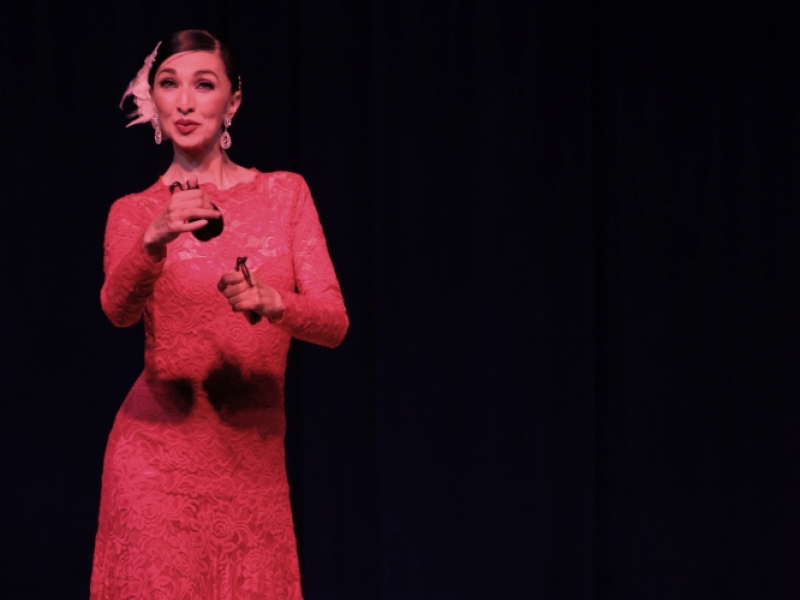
192, 95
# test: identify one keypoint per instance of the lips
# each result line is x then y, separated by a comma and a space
185, 126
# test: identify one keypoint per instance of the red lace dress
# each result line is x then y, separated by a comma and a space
195, 500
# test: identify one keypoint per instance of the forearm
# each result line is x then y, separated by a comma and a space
129, 284
318, 320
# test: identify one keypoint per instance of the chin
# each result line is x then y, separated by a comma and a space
192, 145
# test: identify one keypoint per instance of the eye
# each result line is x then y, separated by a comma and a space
205, 84
167, 82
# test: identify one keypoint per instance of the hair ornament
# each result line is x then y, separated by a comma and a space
139, 88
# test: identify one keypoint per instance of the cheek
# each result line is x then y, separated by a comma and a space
161, 102
215, 109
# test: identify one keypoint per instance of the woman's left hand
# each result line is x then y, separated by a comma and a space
260, 298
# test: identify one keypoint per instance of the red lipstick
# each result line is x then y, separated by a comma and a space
186, 126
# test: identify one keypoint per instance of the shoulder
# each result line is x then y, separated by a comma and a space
282, 181
139, 203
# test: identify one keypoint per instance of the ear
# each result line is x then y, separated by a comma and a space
233, 104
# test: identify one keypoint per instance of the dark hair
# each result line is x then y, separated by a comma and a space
196, 40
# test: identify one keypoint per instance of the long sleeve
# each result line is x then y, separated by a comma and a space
315, 312
130, 272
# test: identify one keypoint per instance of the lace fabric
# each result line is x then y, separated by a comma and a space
195, 500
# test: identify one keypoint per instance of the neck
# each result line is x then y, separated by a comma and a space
209, 165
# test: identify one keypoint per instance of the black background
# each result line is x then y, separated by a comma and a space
567, 236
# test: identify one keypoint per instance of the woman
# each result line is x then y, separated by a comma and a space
195, 500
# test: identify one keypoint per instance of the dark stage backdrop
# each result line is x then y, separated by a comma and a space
567, 235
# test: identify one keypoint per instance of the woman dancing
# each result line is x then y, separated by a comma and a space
225, 265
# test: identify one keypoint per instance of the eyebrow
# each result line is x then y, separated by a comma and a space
196, 73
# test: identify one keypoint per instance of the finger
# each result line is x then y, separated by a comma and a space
192, 182
193, 197
197, 198
183, 226
245, 303
232, 278
254, 279
206, 200
187, 193
187, 214
232, 292
192, 225
184, 204
240, 293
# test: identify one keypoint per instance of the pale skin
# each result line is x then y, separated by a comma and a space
192, 95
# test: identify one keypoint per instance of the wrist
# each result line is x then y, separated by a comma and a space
154, 250
275, 317
276, 309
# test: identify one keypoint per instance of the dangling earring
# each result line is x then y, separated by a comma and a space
157, 135
225, 138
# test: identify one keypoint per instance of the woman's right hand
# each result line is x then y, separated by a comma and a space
173, 219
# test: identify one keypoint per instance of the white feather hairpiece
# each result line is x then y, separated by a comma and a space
139, 88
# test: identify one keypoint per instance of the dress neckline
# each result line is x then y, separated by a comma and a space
160, 183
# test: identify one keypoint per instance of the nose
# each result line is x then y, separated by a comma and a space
186, 101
